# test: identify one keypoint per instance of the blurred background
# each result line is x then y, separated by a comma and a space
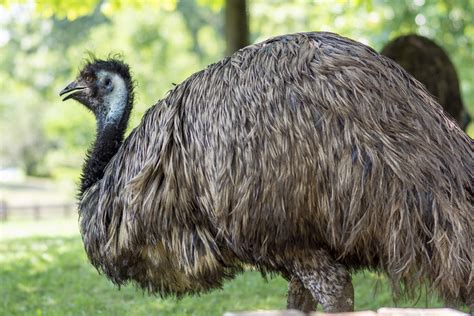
43, 269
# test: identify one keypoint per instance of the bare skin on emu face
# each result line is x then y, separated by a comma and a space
309, 155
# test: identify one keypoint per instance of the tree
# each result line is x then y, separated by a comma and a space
236, 25
236, 20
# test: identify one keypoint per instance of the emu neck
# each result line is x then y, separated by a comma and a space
110, 135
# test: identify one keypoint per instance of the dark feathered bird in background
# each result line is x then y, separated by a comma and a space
308, 155
429, 63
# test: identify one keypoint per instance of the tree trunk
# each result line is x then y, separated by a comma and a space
236, 25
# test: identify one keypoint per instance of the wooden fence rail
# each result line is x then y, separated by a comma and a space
35, 210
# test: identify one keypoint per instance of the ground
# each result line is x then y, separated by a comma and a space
44, 271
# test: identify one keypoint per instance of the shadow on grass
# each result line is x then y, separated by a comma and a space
51, 276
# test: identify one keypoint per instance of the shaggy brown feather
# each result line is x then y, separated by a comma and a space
302, 142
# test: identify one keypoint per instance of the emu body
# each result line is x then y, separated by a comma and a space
308, 155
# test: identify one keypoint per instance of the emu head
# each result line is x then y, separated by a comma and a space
105, 87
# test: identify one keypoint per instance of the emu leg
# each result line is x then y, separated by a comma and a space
299, 297
328, 281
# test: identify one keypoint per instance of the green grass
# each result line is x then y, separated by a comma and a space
51, 276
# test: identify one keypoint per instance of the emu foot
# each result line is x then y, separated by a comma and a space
299, 297
328, 282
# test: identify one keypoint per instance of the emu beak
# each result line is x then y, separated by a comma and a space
73, 87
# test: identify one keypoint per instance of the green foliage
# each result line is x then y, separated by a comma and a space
51, 276
215, 5
70, 9
164, 41
43, 54
73, 9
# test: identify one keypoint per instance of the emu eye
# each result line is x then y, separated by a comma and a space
89, 78
107, 82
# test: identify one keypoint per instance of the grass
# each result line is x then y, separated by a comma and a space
51, 276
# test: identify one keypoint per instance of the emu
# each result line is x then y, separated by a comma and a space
428, 63
308, 155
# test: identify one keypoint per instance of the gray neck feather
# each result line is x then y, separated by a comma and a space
116, 101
